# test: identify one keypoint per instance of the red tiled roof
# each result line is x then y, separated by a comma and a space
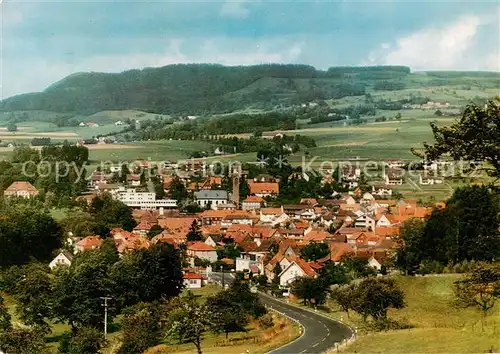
271, 211
21, 186
200, 246
316, 235
264, 187
133, 177
253, 199
193, 276
90, 242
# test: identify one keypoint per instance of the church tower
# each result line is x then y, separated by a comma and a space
235, 176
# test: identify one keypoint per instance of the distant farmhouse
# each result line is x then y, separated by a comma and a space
21, 189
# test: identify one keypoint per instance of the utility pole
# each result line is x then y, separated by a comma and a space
105, 315
223, 285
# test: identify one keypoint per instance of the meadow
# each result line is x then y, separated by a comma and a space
439, 327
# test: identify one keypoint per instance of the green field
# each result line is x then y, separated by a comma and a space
439, 327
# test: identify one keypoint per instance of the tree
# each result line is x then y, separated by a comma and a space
86, 340
227, 315
78, 290
178, 190
374, 296
398, 116
309, 289
357, 267
344, 297
239, 292
438, 113
481, 288
475, 137
333, 273
147, 275
112, 213
27, 233
140, 329
194, 233
33, 296
189, 321
314, 251
410, 255
22, 340
5, 317
155, 230
12, 127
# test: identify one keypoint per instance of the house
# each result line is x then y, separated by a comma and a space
350, 176
316, 235
143, 228
365, 221
201, 250
134, 180
82, 124
425, 179
64, 258
21, 190
268, 215
394, 177
214, 240
193, 280
253, 202
297, 268
88, 243
338, 250
211, 198
381, 189
395, 163
264, 189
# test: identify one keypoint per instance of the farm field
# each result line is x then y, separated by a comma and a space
150, 150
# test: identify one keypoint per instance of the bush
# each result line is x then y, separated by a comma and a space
390, 325
428, 267
266, 321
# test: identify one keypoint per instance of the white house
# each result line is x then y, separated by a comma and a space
193, 280
64, 258
296, 269
212, 198
143, 200
252, 202
366, 222
201, 250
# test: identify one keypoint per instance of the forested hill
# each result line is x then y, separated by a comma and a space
204, 88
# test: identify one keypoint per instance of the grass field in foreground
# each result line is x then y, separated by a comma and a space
439, 326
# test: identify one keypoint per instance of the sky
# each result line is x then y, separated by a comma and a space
44, 41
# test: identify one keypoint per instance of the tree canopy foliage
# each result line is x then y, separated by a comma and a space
199, 88
27, 233
475, 138
467, 229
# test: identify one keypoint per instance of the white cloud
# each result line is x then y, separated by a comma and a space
451, 47
235, 9
9, 15
37, 74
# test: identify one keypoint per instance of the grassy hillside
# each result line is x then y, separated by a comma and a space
438, 326
204, 88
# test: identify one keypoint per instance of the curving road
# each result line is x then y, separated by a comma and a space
320, 332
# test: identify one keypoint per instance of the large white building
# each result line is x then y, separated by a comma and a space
211, 198
143, 200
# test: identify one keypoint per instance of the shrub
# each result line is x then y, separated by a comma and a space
266, 321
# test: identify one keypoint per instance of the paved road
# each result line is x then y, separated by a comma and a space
321, 333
